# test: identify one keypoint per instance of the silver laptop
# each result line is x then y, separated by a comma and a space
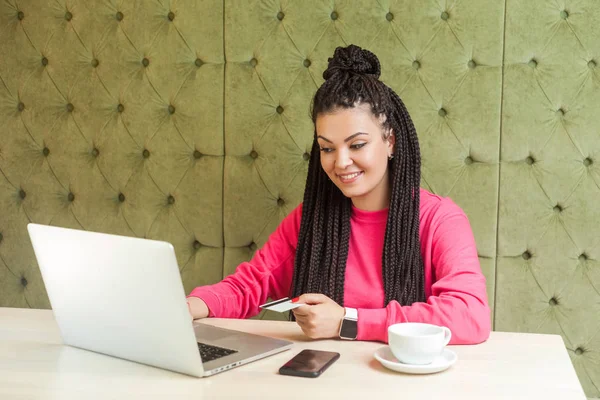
123, 297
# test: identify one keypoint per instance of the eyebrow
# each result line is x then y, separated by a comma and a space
345, 140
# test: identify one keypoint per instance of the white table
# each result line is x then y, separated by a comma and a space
35, 365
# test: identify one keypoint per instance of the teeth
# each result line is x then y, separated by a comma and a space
351, 176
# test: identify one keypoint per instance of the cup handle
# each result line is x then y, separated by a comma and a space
447, 335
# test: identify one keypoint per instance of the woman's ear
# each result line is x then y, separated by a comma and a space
391, 142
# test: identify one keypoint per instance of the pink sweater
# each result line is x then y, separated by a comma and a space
454, 285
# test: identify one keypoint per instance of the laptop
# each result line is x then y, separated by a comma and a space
123, 297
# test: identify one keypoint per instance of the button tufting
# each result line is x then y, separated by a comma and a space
119, 16
46, 151
588, 162
557, 208
197, 154
196, 244
529, 160
564, 14
532, 63
145, 62
579, 351
553, 301
254, 154
280, 15
279, 110
560, 112
472, 64
171, 109
71, 197
252, 246
280, 202
445, 16
582, 257
121, 197
68, 16
20, 106
44, 61
306, 63
22, 194
254, 62
389, 16
171, 16
1, 237
171, 199
468, 160
442, 112
95, 152
24, 282
20, 15
120, 108
526, 255
145, 153
592, 64
198, 62
95, 63
416, 64
70, 107
306, 156
334, 15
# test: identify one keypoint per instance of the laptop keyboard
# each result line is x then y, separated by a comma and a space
209, 352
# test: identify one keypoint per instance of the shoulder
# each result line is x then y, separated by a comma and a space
442, 222
434, 208
296, 213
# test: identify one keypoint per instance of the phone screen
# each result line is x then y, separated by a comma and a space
309, 363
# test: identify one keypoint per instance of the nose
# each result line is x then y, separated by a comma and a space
343, 160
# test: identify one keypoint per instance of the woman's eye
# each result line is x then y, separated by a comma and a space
357, 146
326, 149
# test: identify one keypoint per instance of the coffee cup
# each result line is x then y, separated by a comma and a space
417, 343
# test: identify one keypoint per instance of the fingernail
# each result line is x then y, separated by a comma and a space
295, 299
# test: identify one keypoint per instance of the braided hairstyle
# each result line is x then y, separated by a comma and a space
352, 79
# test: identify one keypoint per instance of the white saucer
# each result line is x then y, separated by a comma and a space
440, 363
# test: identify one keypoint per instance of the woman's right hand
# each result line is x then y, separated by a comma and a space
198, 308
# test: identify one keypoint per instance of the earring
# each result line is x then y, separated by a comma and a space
390, 157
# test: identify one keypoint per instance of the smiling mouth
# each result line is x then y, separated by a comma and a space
349, 178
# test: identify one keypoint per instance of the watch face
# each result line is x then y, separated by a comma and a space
349, 329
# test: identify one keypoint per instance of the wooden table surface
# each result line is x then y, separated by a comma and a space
34, 364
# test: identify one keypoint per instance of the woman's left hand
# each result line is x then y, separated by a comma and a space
319, 317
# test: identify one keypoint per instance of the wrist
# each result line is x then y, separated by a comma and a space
198, 307
349, 324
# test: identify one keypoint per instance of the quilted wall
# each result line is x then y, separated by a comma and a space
188, 121
548, 274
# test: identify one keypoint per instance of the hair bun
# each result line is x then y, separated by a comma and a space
353, 59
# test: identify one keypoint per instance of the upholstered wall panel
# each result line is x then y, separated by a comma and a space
548, 270
111, 120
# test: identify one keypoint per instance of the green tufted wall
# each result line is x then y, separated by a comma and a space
548, 273
188, 121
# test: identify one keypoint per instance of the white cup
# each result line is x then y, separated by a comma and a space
417, 343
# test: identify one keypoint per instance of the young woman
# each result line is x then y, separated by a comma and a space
367, 246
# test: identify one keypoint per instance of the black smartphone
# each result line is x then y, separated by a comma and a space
309, 363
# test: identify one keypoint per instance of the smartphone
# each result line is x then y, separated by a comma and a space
309, 363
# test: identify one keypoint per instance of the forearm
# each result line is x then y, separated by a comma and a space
231, 298
240, 294
466, 316
269, 273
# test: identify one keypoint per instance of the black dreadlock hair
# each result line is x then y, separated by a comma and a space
352, 79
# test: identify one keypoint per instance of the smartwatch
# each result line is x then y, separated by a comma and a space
349, 326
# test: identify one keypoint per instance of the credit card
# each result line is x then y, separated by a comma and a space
281, 305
